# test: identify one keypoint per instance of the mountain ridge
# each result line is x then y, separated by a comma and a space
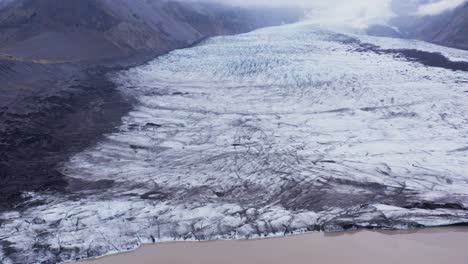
449, 28
99, 29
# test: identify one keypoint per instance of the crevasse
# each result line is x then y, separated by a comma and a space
281, 130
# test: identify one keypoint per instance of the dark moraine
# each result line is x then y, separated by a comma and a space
431, 59
58, 101
40, 131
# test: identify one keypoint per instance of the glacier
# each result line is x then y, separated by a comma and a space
279, 131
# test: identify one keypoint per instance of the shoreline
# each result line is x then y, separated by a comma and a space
77, 246
423, 245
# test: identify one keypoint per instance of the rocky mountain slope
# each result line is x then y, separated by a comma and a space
448, 29
95, 29
55, 98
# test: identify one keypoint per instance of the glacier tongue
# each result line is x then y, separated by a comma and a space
282, 130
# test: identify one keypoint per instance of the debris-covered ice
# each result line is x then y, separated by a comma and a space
281, 130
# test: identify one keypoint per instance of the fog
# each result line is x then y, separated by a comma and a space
356, 12
438, 7
361, 11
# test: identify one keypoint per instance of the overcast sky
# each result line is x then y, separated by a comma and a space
332, 11
344, 9
371, 8
439, 7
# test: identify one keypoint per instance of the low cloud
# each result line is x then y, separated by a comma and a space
356, 12
439, 7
